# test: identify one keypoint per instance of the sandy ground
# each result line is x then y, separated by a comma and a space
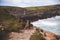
25, 35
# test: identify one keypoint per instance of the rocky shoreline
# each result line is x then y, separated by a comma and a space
26, 34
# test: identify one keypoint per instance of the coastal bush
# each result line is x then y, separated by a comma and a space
9, 22
37, 35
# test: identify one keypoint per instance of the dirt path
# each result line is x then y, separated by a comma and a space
21, 36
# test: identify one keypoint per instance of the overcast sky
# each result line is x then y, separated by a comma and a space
26, 3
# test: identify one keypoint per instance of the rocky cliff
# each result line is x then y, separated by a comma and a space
28, 15
32, 13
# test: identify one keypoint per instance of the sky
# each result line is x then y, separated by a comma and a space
27, 3
49, 24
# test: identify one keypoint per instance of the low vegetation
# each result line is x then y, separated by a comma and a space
9, 23
37, 35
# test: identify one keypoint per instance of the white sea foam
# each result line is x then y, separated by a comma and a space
49, 24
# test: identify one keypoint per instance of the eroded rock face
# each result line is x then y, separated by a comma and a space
58, 37
27, 24
26, 14
48, 35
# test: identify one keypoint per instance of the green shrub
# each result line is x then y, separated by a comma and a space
13, 25
10, 22
37, 36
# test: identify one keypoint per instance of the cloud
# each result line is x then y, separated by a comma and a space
24, 3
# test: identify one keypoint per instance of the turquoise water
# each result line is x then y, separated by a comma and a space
49, 24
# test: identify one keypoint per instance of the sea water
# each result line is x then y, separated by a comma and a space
49, 24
